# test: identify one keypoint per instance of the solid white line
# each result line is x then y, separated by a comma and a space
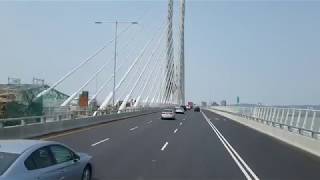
238, 156
133, 128
149, 122
100, 142
164, 146
175, 131
232, 152
180, 123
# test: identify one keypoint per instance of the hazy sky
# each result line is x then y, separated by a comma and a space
261, 51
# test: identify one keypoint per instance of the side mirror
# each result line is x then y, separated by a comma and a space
76, 157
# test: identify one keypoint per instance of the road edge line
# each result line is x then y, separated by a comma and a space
243, 170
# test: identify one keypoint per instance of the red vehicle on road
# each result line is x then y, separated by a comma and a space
190, 105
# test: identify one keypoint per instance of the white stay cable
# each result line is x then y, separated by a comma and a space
149, 91
117, 70
156, 79
79, 66
160, 88
170, 90
170, 73
161, 84
157, 88
162, 58
108, 98
67, 101
151, 81
149, 77
143, 70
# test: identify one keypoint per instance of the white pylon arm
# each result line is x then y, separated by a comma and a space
108, 98
67, 101
123, 105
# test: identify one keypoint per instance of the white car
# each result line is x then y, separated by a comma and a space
179, 110
168, 114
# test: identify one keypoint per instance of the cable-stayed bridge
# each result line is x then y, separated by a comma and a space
127, 139
153, 77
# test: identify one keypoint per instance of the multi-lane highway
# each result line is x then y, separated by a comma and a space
197, 145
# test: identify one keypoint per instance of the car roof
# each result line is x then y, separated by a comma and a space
18, 146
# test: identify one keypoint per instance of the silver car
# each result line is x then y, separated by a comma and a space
179, 110
42, 160
168, 114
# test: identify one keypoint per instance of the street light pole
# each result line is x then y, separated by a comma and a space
115, 54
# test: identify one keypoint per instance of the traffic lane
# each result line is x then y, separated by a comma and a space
123, 142
195, 152
81, 140
268, 157
133, 155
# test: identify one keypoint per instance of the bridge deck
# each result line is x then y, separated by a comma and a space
187, 148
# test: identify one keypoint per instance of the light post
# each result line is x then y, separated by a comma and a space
115, 51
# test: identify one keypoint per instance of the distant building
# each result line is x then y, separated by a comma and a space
84, 99
223, 103
17, 100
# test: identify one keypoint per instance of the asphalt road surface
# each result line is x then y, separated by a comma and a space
197, 146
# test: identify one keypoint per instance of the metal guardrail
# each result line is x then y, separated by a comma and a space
60, 116
303, 121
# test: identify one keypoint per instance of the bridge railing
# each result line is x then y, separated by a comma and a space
61, 116
302, 121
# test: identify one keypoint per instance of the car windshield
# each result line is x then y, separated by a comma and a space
6, 159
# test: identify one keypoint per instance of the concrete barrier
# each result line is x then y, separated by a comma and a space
305, 143
40, 129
